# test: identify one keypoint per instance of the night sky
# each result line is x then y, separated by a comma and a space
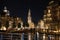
20, 8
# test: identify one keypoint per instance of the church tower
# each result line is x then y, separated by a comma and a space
4, 18
31, 24
29, 17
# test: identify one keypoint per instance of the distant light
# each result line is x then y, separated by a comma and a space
48, 14
50, 18
49, 11
5, 9
18, 28
56, 31
17, 18
44, 15
3, 28
44, 19
59, 30
44, 37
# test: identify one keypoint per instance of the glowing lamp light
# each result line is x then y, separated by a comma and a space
3, 28
44, 37
49, 11
5, 9
18, 28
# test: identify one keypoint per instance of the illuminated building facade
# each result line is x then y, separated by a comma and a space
51, 21
47, 28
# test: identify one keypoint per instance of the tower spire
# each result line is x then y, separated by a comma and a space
29, 16
29, 13
31, 24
